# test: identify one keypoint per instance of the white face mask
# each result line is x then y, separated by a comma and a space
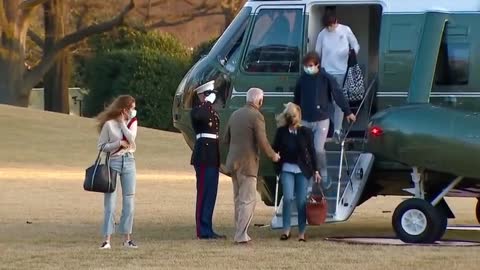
311, 70
211, 98
133, 113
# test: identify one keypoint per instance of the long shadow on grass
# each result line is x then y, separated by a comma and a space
66, 233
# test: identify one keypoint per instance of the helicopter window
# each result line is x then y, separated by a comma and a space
276, 42
231, 59
231, 39
453, 64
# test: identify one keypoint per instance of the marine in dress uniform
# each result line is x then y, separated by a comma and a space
206, 159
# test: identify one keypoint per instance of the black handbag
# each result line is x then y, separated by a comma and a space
100, 177
353, 83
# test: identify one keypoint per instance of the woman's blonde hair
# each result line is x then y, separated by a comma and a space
291, 115
114, 110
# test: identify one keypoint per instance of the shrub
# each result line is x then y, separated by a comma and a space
133, 39
147, 66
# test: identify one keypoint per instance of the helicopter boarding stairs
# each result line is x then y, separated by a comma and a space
348, 173
342, 196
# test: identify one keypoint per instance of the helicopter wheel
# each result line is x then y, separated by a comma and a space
417, 221
477, 210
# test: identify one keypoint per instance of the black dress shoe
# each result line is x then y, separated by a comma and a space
212, 237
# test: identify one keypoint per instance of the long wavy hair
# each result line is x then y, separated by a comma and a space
291, 115
114, 110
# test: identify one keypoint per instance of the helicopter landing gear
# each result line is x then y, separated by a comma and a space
477, 210
417, 220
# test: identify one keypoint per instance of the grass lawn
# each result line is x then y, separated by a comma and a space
47, 220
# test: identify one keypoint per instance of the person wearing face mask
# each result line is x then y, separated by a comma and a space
245, 135
315, 92
118, 130
334, 44
297, 164
206, 159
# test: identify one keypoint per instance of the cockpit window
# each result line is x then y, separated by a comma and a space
276, 42
227, 46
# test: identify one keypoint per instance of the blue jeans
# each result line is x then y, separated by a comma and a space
298, 183
125, 167
320, 132
338, 115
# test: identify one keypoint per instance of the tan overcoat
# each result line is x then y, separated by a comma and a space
246, 136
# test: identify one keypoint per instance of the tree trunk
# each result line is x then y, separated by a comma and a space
15, 82
11, 78
56, 80
7, 96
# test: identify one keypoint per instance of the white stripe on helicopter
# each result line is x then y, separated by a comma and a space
379, 94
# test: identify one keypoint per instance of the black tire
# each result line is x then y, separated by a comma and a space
436, 222
477, 210
442, 225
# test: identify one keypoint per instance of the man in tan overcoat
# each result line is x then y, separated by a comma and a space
245, 135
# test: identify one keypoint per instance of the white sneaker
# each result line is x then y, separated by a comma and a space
129, 244
105, 245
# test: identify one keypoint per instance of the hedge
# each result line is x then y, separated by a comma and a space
150, 76
146, 65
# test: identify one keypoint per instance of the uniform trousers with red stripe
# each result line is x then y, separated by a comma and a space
207, 187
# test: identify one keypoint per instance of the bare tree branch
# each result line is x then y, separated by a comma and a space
35, 38
141, 12
153, 4
6, 26
3, 16
189, 18
49, 56
30, 4
202, 9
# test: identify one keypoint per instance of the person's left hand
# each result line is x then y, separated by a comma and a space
276, 158
318, 178
351, 118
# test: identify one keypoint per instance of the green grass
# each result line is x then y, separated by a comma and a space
41, 175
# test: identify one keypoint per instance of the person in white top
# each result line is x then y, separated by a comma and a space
333, 45
118, 130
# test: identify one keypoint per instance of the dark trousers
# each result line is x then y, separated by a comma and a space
207, 186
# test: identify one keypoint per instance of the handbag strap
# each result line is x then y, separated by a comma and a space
319, 188
100, 152
352, 57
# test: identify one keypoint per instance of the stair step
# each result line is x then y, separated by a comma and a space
333, 157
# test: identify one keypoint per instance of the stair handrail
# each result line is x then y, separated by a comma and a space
366, 95
342, 144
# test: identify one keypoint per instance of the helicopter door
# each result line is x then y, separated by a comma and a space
399, 39
272, 58
454, 84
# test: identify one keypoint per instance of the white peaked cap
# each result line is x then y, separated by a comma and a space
209, 86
